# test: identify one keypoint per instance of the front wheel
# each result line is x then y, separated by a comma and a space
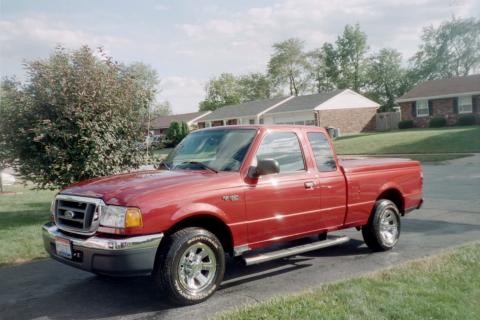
190, 266
383, 229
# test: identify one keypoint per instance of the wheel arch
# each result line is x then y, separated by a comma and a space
394, 195
208, 222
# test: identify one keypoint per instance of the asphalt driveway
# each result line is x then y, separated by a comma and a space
451, 216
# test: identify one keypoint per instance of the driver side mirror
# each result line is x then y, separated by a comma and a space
264, 167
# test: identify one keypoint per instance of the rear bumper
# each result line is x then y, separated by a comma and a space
110, 256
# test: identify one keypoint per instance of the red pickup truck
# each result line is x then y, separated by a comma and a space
229, 190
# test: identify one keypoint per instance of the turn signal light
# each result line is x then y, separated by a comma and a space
133, 218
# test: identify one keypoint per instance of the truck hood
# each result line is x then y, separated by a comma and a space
126, 189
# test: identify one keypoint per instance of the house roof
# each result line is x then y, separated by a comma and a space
307, 102
443, 88
252, 108
164, 122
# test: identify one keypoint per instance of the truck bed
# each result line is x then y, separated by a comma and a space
368, 178
364, 164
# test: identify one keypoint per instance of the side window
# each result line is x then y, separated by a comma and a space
322, 151
283, 147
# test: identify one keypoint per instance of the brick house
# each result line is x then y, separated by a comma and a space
448, 98
160, 125
344, 109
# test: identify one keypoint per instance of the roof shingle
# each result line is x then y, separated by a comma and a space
307, 102
444, 87
245, 109
164, 122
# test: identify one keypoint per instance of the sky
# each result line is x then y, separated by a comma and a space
189, 42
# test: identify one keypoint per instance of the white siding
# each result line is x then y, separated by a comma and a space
348, 99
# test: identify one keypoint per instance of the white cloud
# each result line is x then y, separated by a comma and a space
160, 7
218, 38
184, 93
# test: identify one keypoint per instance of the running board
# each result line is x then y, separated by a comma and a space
268, 256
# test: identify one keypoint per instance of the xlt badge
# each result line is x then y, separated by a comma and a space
232, 197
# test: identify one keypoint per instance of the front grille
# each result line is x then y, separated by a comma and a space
77, 214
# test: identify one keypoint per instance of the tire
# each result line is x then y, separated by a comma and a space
383, 229
190, 266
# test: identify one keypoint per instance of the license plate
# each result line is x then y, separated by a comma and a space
63, 247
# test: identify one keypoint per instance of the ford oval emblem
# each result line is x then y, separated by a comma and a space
69, 214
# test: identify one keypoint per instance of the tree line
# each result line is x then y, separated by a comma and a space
452, 49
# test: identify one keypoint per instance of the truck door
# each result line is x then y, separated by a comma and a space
330, 181
283, 204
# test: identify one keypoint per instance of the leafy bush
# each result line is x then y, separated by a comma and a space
176, 132
76, 117
437, 122
466, 120
405, 124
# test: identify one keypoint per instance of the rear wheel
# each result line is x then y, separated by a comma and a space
190, 266
383, 229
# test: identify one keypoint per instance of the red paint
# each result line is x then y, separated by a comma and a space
269, 209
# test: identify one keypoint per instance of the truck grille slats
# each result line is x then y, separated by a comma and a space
76, 214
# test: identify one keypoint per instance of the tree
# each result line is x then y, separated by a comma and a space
451, 50
254, 86
387, 79
76, 117
320, 69
184, 130
6, 158
288, 66
351, 48
229, 89
176, 132
161, 109
221, 91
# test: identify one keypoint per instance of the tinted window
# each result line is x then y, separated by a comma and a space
283, 147
221, 149
322, 151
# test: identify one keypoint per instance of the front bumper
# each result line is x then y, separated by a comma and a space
111, 256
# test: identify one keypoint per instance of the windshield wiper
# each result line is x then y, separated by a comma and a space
200, 164
164, 164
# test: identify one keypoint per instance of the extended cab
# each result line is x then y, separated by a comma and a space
229, 190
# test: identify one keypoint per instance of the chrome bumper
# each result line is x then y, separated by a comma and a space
115, 256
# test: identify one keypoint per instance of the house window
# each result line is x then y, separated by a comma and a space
422, 108
309, 122
465, 104
251, 121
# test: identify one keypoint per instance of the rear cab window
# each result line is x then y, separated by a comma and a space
322, 151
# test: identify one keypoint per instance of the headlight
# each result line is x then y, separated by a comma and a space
120, 217
52, 210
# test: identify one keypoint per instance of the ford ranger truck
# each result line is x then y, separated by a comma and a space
229, 190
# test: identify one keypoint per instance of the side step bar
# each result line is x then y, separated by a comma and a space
268, 256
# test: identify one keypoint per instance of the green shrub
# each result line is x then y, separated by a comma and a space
466, 120
405, 124
437, 122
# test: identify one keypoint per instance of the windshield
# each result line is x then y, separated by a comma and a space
217, 150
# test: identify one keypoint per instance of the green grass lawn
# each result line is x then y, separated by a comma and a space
443, 140
22, 213
441, 287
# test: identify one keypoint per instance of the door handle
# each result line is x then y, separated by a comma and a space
309, 185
